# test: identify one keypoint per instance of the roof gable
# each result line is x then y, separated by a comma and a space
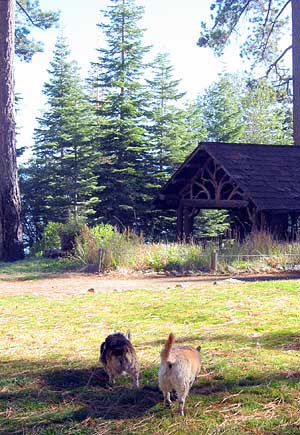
269, 175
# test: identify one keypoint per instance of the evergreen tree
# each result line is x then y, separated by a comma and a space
260, 25
222, 116
173, 132
121, 105
62, 171
267, 119
238, 109
164, 117
29, 15
221, 110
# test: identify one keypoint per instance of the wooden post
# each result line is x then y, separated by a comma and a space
179, 228
187, 224
214, 261
101, 261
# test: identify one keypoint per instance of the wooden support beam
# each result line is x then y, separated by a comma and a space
213, 203
179, 224
188, 219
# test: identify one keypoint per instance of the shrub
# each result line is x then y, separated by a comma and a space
68, 233
49, 240
103, 233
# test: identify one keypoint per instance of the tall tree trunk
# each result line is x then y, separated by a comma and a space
296, 69
11, 246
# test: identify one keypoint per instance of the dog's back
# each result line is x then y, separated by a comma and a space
180, 365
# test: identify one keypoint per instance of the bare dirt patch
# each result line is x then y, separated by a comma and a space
77, 284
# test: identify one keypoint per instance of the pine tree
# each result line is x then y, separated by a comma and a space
121, 107
13, 39
63, 168
222, 116
164, 116
29, 15
239, 109
173, 131
267, 119
221, 110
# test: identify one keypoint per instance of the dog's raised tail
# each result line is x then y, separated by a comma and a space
165, 352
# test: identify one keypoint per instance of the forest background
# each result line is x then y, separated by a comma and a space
106, 143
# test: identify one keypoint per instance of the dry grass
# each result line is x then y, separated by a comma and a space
51, 383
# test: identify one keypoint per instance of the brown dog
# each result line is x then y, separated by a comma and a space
179, 367
118, 356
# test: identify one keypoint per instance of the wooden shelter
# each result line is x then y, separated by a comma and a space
258, 184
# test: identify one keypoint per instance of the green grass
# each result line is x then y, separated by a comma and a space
51, 383
35, 268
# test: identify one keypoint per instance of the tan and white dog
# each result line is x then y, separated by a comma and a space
179, 368
118, 356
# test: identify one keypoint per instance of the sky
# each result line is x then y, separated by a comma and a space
172, 26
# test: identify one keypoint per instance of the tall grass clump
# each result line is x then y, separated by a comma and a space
104, 247
174, 257
259, 251
107, 248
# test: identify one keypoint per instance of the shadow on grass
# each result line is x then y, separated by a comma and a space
81, 393
239, 276
216, 386
36, 394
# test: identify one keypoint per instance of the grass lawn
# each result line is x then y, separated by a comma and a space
51, 383
36, 268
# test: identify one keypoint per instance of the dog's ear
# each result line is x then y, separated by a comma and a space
198, 348
128, 335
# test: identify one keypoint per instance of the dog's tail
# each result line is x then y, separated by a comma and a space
165, 352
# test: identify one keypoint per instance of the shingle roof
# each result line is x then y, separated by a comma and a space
268, 174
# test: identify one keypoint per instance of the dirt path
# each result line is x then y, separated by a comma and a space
76, 284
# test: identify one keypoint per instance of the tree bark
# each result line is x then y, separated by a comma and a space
11, 246
296, 69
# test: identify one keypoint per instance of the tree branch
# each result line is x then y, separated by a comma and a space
268, 13
27, 14
275, 63
264, 46
238, 17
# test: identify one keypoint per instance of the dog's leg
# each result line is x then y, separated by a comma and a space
167, 399
112, 380
135, 378
181, 400
111, 376
181, 407
191, 382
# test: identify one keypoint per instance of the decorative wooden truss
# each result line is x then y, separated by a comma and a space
210, 187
